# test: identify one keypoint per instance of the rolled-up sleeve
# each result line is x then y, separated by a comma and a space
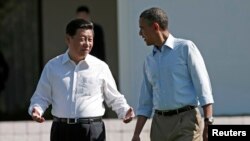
42, 96
113, 97
199, 75
145, 105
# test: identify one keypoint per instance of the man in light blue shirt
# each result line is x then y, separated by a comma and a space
175, 83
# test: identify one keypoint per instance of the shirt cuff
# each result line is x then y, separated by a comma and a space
38, 108
123, 112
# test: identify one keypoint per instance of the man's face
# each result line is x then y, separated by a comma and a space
81, 43
146, 31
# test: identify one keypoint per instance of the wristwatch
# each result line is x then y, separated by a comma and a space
209, 120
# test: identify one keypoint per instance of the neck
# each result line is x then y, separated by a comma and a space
76, 59
162, 38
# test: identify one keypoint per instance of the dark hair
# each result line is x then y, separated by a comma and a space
83, 8
155, 14
76, 24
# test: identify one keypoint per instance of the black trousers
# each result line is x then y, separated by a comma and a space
94, 131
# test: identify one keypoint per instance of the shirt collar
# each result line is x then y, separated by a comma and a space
66, 58
87, 59
168, 43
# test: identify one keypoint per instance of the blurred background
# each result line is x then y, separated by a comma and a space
32, 32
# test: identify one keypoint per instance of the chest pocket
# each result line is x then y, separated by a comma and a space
88, 86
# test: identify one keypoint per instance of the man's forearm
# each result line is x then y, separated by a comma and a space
141, 120
207, 110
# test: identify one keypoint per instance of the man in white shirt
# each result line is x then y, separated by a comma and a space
76, 84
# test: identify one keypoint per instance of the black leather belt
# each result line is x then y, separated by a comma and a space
174, 112
77, 120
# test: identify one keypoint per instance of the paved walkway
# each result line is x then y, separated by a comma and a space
116, 129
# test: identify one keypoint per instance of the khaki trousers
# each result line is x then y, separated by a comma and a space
185, 126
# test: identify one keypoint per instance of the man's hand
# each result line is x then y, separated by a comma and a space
136, 138
36, 116
129, 115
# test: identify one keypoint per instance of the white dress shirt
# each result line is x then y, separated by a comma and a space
77, 90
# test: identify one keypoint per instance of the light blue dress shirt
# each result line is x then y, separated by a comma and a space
174, 76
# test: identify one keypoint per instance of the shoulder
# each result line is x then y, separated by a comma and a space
54, 61
184, 45
96, 61
98, 65
183, 42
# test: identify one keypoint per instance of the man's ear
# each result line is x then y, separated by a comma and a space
156, 26
67, 39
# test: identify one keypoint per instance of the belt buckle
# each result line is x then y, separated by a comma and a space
71, 121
